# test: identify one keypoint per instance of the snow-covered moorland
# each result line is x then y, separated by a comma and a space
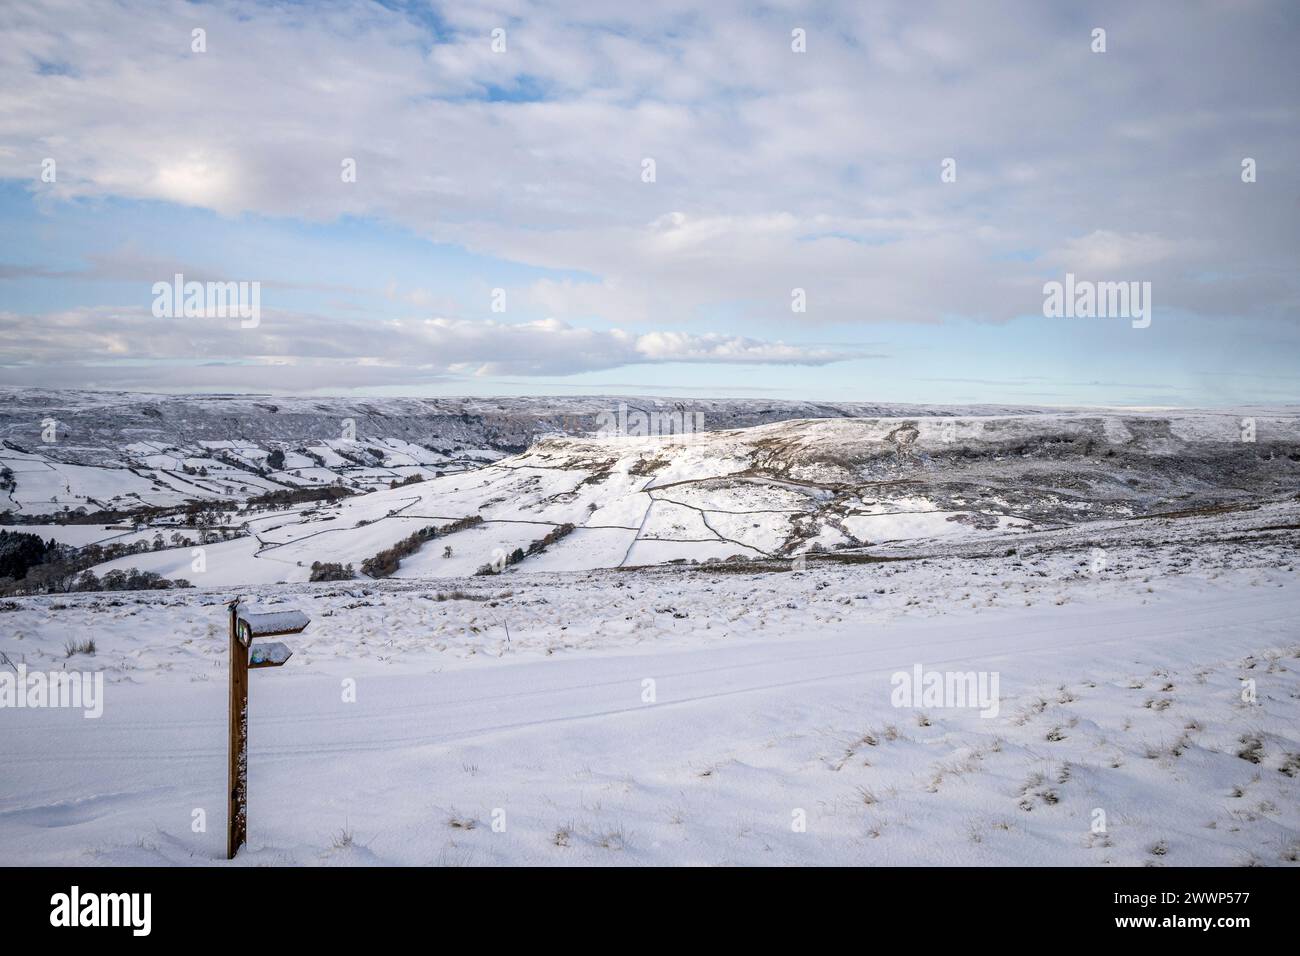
64, 450
1148, 700
768, 492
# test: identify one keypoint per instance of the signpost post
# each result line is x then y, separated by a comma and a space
244, 654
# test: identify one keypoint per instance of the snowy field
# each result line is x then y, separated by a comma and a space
769, 492
698, 715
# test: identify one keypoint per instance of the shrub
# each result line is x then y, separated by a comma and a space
78, 647
331, 571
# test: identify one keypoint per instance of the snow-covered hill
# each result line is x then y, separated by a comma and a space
772, 492
67, 450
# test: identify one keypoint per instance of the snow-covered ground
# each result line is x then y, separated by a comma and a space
510, 719
1122, 585
774, 491
70, 449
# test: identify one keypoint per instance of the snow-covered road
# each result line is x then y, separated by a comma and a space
579, 759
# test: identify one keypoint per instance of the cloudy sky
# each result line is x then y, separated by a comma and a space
501, 236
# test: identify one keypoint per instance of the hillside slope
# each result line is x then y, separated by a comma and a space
67, 450
774, 492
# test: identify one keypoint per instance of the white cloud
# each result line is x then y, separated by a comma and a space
368, 352
1106, 253
775, 170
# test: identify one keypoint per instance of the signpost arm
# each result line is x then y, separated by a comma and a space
237, 806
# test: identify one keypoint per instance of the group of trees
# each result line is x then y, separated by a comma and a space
331, 571
205, 514
29, 565
386, 562
20, 552
129, 579
79, 515
297, 496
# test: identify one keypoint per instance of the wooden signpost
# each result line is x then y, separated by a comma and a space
244, 654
